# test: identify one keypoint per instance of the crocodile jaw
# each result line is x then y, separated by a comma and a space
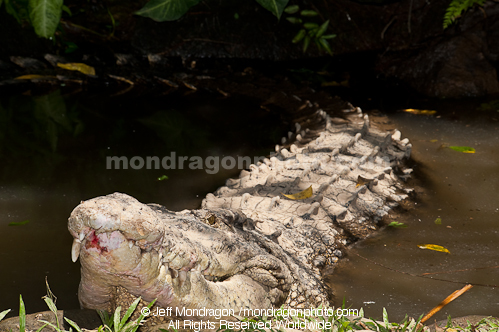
116, 250
164, 263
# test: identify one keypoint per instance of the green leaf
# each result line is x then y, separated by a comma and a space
325, 45
45, 16
463, 149
309, 13
457, 8
385, 317
42, 327
1, 3
306, 42
289, 9
299, 36
70, 47
19, 223
73, 324
129, 312
294, 20
11, 10
276, 7
309, 25
104, 316
397, 224
438, 221
329, 36
163, 177
141, 317
5, 312
66, 10
490, 106
50, 303
116, 319
322, 29
166, 10
22, 315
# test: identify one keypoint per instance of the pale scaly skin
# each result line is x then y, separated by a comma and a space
249, 246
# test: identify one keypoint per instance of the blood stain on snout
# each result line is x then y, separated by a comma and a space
104, 242
93, 242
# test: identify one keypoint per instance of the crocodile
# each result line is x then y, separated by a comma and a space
248, 246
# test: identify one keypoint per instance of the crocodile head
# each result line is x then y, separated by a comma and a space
116, 240
171, 257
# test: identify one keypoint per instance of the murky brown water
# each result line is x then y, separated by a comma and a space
461, 189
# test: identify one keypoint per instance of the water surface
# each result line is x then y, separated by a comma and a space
54, 147
463, 191
53, 150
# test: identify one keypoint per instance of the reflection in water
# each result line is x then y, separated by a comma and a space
53, 151
461, 189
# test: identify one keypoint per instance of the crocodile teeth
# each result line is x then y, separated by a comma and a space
174, 273
396, 135
160, 261
298, 127
81, 236
162, 272
182, 276
75, 250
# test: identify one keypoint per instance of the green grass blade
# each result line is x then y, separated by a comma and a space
52, 325
322, 29
116, 319
53, 308
22, 315
4, 313
290, 9
141, 317
42, 327
385, 317
104, 317
129, 312
19, 223
50, 304
73, 324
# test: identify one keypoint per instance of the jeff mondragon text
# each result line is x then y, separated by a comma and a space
224, 313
